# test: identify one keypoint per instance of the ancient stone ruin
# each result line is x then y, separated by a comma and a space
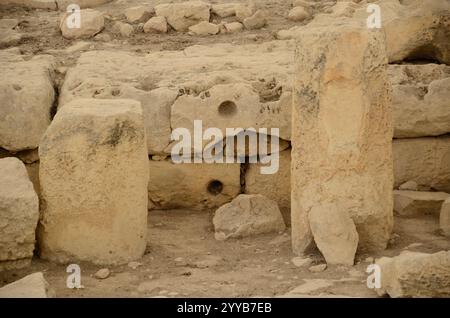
224, 148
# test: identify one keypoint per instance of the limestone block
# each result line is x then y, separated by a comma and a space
94, 175
192, 186
262, 73
26, 96
421, 99
138, 14
204, 28
247, 215
423, 160
19, 214
414, 203
342, 132
91, 23
275, 186
334, 233
156, 25
413, 274
224, 10
31, 286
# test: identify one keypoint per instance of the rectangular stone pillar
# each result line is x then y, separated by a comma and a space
341, 136
94, 176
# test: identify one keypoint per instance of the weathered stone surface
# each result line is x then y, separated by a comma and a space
94, 176
26, 96
91, 23
204, 28
423, 160
194, 186
262, 73
181, 16
413, 203
298, 14
342, 132
413, 274
444, 217
275, 186
138, 14
31, 286
156, 25
19, 214
246, 215
334, 233
421, 99
256, 21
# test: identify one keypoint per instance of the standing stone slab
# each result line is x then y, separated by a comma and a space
94, 175
342, 133
19, 213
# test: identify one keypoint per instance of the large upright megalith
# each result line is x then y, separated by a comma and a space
341, 138
94, 176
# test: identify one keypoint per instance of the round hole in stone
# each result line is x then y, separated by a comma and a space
227, 108
215, 187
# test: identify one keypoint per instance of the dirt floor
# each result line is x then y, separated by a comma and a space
184, 260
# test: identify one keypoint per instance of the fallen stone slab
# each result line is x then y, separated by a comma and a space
423, 160
444, 218
19, 214
421, 95
94, 176
193, 186
181, 16
31, 286
91, 23
342, 133
415, 203
413, 274
26, 96
247, 215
